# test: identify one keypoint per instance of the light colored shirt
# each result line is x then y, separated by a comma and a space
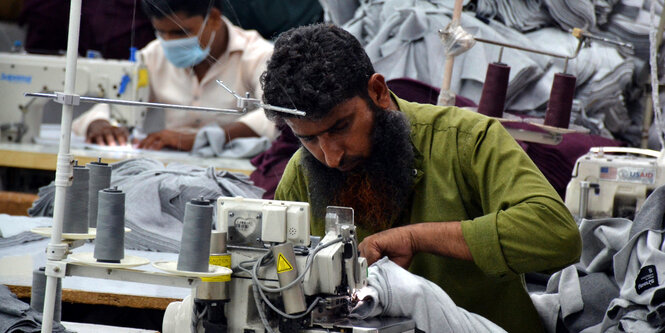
239, 67
468, 168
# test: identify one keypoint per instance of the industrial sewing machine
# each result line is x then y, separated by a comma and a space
281, 278
21, 116
614, 181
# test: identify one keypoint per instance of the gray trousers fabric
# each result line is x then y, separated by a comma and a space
395, 292
17, 316
619, 284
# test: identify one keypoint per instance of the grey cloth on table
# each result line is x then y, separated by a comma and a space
619, 284
15, 230
395, 292
17, 316
155, 197
211, 141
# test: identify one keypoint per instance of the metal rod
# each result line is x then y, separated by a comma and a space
134, 103
517, 47
63, 167
259, 104
500, 54
584, 199
281, 109
450, 61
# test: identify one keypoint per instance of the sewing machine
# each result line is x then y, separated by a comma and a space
20, 73
614, 181
313, 282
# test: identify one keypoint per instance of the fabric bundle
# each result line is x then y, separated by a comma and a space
18, 317
15, 230
523, 16
619, 284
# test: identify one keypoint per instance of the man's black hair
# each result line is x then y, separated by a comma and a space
314, 68
161, 8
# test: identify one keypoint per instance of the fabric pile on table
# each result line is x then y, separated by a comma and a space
17, 316
155, 198
15, 230
618, 285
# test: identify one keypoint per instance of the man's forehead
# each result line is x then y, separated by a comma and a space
307, 127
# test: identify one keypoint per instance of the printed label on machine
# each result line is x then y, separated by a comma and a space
283, 265
636, 175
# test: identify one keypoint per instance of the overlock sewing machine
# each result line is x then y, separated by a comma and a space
21, 116
283, 279
614, 181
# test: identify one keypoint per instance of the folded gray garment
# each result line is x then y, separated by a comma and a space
155, 198
17, 316
395, 292
523, 16
15, 230
211, 142
572, 13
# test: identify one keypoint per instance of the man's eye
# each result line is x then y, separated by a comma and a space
339, 128
307, 138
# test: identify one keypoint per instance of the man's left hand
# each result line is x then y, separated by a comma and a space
396, 243
168, 139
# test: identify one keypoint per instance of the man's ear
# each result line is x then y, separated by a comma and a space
378, 90
215, 18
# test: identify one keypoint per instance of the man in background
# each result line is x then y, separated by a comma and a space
195, 46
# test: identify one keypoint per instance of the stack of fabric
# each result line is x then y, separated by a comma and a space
523, 16
15, 230
630, 22
401, 39
570, 14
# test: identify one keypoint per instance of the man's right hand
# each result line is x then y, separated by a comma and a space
103, 133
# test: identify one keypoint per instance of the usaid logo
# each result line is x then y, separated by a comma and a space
637, 175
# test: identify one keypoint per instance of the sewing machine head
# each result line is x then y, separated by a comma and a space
613, 181
20, 73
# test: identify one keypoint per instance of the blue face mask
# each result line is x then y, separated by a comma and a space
186, 52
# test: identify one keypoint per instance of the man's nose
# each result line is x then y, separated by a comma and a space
332, 152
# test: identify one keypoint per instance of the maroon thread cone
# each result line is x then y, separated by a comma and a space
561, 100
493, 99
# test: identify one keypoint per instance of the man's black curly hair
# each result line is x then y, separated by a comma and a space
314, 68
159, 9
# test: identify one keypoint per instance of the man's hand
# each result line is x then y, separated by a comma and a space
396, 243
103, 133
170, 139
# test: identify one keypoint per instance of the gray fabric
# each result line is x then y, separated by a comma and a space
618, 289
401, 39
17, 316
211, 141
403, 294
15, 230
155, 198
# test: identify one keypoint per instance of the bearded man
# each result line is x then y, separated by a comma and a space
444, 191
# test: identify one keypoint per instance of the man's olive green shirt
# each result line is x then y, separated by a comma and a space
468, 168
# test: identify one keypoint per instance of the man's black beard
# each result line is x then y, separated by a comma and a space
386, 175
